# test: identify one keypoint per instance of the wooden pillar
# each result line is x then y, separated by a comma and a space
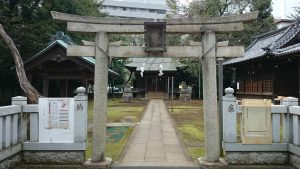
45, 86
211, 116
100, 97
67, 85
146, 84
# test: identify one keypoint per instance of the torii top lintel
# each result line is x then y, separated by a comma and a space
77, 23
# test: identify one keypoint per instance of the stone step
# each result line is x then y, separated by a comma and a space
152, 167
227, 167
259, 167
50, 167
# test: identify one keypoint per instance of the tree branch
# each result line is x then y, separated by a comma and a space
32, 94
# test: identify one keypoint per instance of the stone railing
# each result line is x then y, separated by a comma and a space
285, 128
20, 131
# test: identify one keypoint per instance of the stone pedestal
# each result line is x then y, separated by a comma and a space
185, 95
127, 95
221, 164
98, 165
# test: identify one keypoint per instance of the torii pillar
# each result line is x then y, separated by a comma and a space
210, 105
100, 95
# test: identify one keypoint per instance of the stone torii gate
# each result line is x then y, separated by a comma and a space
208, 51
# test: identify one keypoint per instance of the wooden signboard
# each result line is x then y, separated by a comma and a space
256, 121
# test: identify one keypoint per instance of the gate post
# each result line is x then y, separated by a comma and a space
210, 105
100, 97
229, 117
80, 116
24, 118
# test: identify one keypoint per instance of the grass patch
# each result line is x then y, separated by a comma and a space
113, 149
116, 114
191, 132
189, 120
196, 152
116, 111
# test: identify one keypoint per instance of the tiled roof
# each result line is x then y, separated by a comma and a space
63, 44
271, 42
288, 50
153, 64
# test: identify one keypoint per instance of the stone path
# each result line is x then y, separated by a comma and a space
155, 142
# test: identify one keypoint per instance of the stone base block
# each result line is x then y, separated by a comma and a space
54, 157
101, 165
295, 161
50, 167
185, 97
221, 164
259, 167
258, 158
11, 162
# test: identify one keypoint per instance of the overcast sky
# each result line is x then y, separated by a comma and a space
282, 9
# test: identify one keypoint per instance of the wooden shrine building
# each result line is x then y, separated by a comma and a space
151, 83
54, 74
270, 66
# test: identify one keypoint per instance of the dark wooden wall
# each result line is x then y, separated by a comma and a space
268, 79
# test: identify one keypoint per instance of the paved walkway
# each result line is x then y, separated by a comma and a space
155, 142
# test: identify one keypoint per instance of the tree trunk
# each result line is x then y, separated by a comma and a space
31, 93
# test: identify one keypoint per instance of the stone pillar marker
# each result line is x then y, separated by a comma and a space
211, 116
229, 116
80, 117
100, 97
20, 100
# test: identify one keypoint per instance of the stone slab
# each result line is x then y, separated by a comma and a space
295, 160
100, 165
11, 161
203, 164
50, 167
54, 157
258, 158
150, 145
231, 147
54, 146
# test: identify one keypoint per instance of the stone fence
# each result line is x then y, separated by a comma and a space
285, 131
20, 141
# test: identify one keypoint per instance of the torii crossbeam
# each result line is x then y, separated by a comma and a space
209, 51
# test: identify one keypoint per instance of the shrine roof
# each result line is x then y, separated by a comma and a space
274, 43
153, 64
64, 44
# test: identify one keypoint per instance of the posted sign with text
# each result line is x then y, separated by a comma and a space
56, 120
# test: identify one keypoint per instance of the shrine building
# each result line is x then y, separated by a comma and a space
270, 66
149, 81
54, 74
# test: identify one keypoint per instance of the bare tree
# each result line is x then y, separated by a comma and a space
31, 93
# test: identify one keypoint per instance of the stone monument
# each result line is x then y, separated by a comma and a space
127, 94
185, 93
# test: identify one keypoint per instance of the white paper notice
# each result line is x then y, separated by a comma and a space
58, 113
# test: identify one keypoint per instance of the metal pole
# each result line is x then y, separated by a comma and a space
221, 101
199, 79
172, 92
168, 88
113, 90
